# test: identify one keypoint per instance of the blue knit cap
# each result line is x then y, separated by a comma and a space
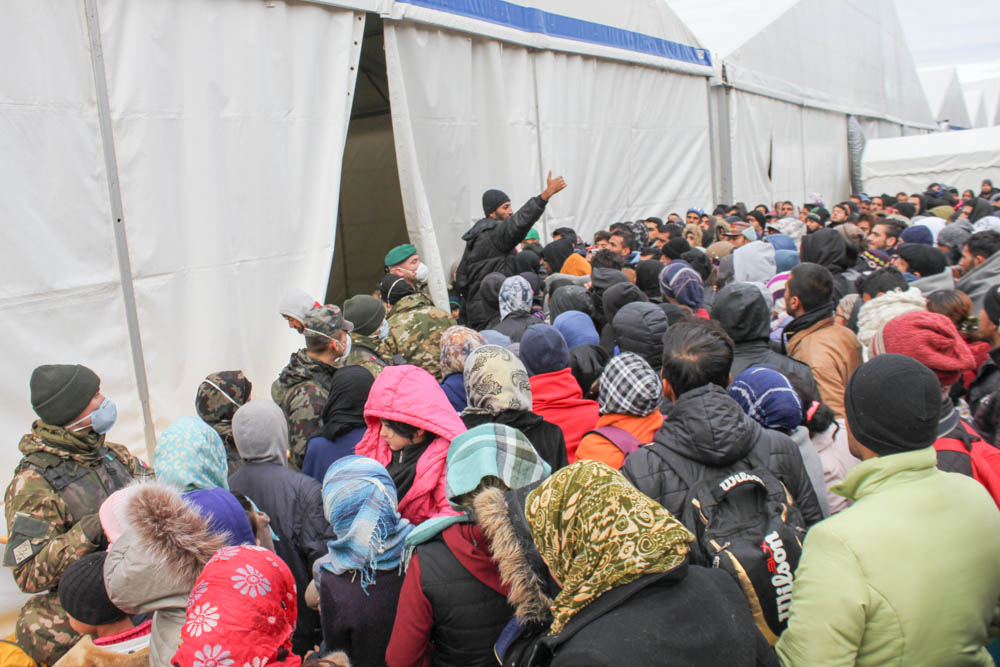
767, 397
543, 350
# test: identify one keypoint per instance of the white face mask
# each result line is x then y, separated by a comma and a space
422, 273
347, 349
383, 331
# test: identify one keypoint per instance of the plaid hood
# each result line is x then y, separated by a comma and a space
629, 386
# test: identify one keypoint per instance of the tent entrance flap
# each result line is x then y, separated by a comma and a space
370, 219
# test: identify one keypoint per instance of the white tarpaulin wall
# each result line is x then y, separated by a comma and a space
944, 94
909, 164
228, 121
472, 113
990, 88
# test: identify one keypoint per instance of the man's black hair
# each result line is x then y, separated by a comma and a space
893, 228
813, 285
984, 244
628, 238
615, 226
602, 235
566, 233
673, 231
696, 353
607, 259
881, 281
699, 261
660, 225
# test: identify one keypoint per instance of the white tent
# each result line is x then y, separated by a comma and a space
909, 164
977, 108
944, 93
171, 168
788, 74
990, 89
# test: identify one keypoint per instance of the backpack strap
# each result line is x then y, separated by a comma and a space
618, 437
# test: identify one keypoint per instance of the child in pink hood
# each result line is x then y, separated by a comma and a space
411, 424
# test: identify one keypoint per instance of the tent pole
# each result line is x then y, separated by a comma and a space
538, 143
725, 147
118, 221
713, 142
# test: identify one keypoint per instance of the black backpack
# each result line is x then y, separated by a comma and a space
746, 523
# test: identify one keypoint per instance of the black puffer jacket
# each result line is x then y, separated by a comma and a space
600, 280
639, 328
742, 311
482, 311
707, 429
515, 324
615, 297
547, 438
294, 503
489, 247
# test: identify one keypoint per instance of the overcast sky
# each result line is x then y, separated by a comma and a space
959, 33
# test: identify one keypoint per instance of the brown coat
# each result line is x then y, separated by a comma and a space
833, 353
86, 654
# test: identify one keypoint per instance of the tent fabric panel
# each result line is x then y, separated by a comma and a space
944, 93
229, 120
824, 137
766, 136
960, 159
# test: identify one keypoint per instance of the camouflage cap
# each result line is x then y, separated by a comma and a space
326, 321
221, 394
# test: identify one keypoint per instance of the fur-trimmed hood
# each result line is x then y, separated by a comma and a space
152, 567
500, 515
877, 312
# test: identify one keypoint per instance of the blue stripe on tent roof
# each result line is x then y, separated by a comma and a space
533, 20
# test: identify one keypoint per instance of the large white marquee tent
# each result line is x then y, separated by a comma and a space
944, 93
990, 90
788, 73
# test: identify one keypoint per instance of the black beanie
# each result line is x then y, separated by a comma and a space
493, 199
60, 392
888, 421
365, 312
905, 209
83, 595
674, 248
991, 304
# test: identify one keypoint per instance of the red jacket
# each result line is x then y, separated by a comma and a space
411, 395
557, 397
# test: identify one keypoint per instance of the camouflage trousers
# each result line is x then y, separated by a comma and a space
43, 630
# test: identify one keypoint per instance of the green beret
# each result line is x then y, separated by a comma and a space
400, 254
532, 235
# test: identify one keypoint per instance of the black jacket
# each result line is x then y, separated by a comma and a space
742, 311
489, 247
294, 503
547, 438
515, 324
986, 380
707, 429
639, 328
688, 616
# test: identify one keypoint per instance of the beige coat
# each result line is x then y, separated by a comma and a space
833, 353
85, 654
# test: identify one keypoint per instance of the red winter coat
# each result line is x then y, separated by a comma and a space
557, 397
411, 395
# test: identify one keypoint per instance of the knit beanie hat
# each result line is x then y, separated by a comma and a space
543, 350
82, 593
954, 236
493, 199
931, 339
925, 260
918, 234
991, 304
365, 312
886, 420
905, 209
767, 397
674, 248
60, 392
532, 234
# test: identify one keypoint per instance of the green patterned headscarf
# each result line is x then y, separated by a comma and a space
597, 532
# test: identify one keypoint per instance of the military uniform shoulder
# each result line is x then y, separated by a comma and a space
121, 451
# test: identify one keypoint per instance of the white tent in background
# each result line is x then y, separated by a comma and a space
910, 164
171, 168
788, 74
990, 88
944, 93
977, 108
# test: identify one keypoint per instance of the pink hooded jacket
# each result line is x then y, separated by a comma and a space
411, 395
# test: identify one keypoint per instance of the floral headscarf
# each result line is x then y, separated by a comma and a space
515, 296
597, 532
359, 500
457, 343
190, 455
242, 611
495, 381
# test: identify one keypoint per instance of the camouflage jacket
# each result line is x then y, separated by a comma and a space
46, 534
415, 328
364, 353
301, 390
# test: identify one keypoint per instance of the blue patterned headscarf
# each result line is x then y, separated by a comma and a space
767, 397
515, 296
190, 455
360, 503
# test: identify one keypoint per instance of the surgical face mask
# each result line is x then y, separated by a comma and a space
347, 349
101, 419
422, 272
383, 331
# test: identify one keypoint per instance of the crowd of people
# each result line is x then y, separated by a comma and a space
747, 437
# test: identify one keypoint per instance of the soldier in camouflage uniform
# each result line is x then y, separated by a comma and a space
303, 385
219, 396
404, 262
415, 327
66, 472
367, 314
